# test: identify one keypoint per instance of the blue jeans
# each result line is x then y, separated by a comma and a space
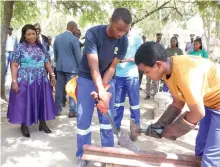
130, 86
62, 79
165, 88
208, 139
7, 60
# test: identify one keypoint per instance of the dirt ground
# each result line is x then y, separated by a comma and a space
58, 148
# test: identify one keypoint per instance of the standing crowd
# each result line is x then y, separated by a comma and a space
112, 64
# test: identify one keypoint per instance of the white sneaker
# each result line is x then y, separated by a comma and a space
81, 163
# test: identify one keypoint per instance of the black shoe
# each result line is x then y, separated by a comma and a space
118, 129
43, 126
72, 114
59, 114
24, 130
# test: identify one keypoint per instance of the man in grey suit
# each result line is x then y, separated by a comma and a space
67, 57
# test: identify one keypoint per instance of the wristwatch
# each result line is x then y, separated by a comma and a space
52, 74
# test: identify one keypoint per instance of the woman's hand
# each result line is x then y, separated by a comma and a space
15, 87
53, 81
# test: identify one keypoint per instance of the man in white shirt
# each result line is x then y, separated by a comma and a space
190, 45
11, 42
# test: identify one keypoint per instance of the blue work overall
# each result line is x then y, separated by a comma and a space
208, 139
124, 86
85, 108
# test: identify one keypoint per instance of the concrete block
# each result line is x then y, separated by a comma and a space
163, 100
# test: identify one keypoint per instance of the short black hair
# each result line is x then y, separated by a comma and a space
150, 52
71, 25
122, 13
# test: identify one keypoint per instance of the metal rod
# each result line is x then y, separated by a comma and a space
159, 130
113, 125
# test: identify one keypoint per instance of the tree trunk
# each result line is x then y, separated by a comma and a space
217, 26
6, 20
207, 30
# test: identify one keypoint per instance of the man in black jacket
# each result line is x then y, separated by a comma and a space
42, 38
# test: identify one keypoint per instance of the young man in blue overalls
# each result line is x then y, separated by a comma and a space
105, 46
127, 82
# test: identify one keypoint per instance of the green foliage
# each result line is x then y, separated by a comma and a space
209, 9
24, 12
48, 7
98, 11
149, 28
131, 5
137, 8
2, 8
88, 11
93, 13
210, 12
171, 10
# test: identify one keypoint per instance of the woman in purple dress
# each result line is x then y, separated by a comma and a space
31, 97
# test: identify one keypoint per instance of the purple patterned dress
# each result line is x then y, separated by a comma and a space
34, 100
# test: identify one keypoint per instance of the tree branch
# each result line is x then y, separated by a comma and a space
190, 1
175, 8
134, 15
150, 13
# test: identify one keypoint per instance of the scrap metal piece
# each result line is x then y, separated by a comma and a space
125, 141
123, 137
124, 157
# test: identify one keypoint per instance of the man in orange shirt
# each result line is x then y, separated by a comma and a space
191, 80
